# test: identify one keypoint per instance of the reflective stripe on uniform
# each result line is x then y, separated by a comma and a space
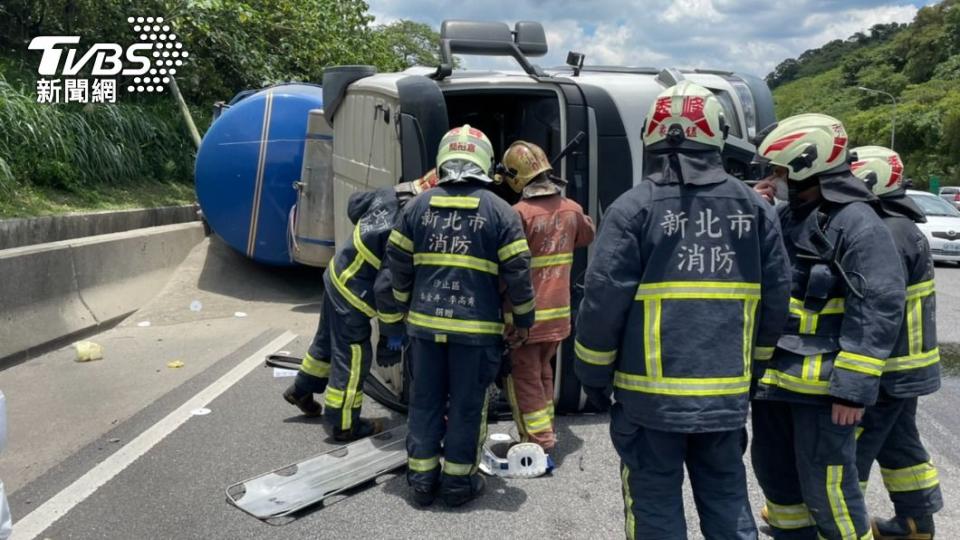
749, 320
838, 503
915, 478
398, 239
809, 321
552, 314
400, 296
763, 353
537, 421
352, 396
683, 386
459, 261
317, 368
515, 409
590, 356
333, 397
339, 282
630, 525
457, 469
698, 290
904, 363
920, 290
456, 325
867, 365
423, 464
482, 437
463, 203
833, 306
513, 249
363, 250
789, 516
651, 336
653, 295
389, 318
796, 384
524, 308
543, 261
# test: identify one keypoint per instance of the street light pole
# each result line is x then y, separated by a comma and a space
893, 124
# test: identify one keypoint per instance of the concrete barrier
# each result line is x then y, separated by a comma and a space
54, 290
40, 230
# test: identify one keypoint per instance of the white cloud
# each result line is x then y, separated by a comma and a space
751, 36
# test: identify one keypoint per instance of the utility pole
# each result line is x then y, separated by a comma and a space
893, 126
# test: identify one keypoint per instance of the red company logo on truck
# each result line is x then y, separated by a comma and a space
92, 76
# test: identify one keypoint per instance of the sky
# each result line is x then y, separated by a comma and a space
750, 36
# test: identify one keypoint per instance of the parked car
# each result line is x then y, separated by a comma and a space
951, 194
942, 228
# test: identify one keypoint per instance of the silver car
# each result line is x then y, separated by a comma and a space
942, 228
951, 194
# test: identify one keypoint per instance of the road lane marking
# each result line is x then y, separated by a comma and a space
34, 523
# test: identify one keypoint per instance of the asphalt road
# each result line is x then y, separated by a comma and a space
86, 452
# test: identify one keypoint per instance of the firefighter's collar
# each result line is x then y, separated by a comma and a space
696, 168
897, 203
840, 186
541, 188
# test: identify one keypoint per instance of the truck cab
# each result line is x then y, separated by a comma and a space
387, 128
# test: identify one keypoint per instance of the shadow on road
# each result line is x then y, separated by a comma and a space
229, 273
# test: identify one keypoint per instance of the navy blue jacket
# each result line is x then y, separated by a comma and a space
357, 279
688, 284
842, 327
450, 251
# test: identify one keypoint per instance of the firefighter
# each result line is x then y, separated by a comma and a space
448, 253
845, 309
554, 226
888, 432
357, 288
688, 285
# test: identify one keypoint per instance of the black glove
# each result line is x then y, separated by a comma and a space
506, 367
598, 397
387, 356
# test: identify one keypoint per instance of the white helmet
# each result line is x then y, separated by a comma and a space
881, 168
806, 145
685, 116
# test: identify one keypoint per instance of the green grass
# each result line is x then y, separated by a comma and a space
30, 201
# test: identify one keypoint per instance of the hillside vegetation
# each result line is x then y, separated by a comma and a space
918, 63
56, 158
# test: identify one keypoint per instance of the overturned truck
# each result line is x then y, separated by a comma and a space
386, 128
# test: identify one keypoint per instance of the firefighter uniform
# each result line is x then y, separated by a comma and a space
688, 285
338, 360
554, 226
888, 433
448, 254
845, 308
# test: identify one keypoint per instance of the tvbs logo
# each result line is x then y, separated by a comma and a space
146, 65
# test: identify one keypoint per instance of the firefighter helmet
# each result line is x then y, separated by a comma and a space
685, 116
881, 168
806, 145
408, 190
467, 144
522, 162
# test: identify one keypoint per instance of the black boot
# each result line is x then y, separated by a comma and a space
303, 401
363, 428
424, 497
461, 497
903, 528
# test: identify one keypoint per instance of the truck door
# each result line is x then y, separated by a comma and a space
422, 122
598, 171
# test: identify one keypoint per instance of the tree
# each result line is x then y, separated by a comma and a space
412, 43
